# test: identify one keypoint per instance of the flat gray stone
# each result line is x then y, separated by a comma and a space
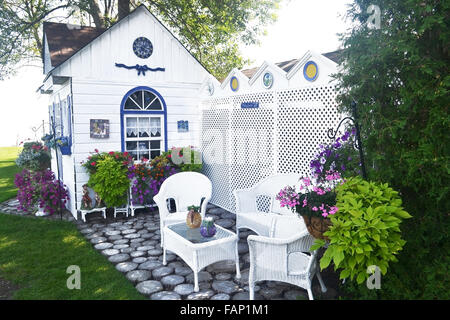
145, 248
121, 241
139, 260
294, 295
136, 240
270, 293
128, 231
256, 288
127, 250
225, 223
184, 289
176, 264
132, 236
126, 266
242, 247
222, 266
227, 287
98, 240
110, 252
103, 246
169, 258
155, 252
137, 254
149, 287
94, 235
203, 276
228, 215
182, 271
115, 237
172, 281
161, 272
121, 257
138, 275
146, 235
121, 246
201, 295
112, 232
223, 276
87, 230
165, 295
221, 296
217, 211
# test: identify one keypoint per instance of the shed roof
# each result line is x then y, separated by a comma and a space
64, 40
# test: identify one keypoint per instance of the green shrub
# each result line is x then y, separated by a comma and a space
365, 231
110, 181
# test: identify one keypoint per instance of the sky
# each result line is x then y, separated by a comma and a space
302, 25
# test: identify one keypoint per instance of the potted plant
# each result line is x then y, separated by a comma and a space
34, 157
53, 197
61, 142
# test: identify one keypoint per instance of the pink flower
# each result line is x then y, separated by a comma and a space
314, 209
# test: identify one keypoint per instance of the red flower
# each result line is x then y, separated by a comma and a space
96, 150
93, 163
117, 156
125, 153
169, 156
111, 153
125, 163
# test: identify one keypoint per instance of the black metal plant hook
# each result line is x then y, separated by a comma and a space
357, 143
53, 126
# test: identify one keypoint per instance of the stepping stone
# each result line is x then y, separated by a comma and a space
172, 281
149, 287
137, 254
184, 289
294, 295
127, 250
155, 252
223, 276
244, 277
103, 246
94, 235
121, 241
137, 240
126, 266
115, 224
143, 231
203, 276
138, 275
98, 240
112, 233
156, 237
152, 243
256, 288
116, 237
217, 211
177, 264
222, 266
201, 295
161, 272
228, 215
122, 227
242, 247
227, 287
121, 246
225, 223
121, 257
221, 296
182, 271
145, 248
169, 257
150, 265
242, 296
146, 235
165, 295
87, 230
134, 245
132, 236
110, 252
139, 260
270, 293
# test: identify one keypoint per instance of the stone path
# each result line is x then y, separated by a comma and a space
10, 207
133, 245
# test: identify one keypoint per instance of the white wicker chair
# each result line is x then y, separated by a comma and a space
186, 188
247, 214
285, 256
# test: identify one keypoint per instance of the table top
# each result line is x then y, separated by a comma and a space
194, 236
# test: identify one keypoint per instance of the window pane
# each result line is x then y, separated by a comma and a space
156, 105
155, 125
134, 154
155, 153
131, 122
143, 132
155, 144
131, 145
143, 145
148, 98
131, 133
143, 155
130, 105
144, 122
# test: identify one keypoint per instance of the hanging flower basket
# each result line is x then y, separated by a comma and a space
317, 226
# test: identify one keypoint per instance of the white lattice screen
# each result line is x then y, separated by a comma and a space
280, 136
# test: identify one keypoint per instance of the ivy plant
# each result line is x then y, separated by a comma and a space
110, 181
365, 231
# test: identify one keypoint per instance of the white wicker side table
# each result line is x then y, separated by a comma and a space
197, 251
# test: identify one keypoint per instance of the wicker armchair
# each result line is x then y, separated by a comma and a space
186, 189
247, 214
285, 256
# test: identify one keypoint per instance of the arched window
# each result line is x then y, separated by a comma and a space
143, 119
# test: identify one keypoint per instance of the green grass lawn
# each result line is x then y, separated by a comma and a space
8, 170
35, 254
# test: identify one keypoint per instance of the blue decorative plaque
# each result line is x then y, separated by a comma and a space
249, 105
183, 126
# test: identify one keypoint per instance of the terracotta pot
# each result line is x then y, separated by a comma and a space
193, 219
317, 226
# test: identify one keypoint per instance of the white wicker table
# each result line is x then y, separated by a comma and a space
197, 251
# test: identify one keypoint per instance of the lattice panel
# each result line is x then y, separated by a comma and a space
214, 144
283, 135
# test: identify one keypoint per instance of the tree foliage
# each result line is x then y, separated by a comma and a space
212, 30
399, 76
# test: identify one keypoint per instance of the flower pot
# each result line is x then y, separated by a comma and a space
41, 213
193, 219
317, 226
208, 229
65, 150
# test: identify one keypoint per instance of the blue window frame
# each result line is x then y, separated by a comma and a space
143, 123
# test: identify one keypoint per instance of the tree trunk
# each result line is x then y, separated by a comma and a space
124, 8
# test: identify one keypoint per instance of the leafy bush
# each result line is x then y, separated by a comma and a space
366, 231
34, 157
110, 181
